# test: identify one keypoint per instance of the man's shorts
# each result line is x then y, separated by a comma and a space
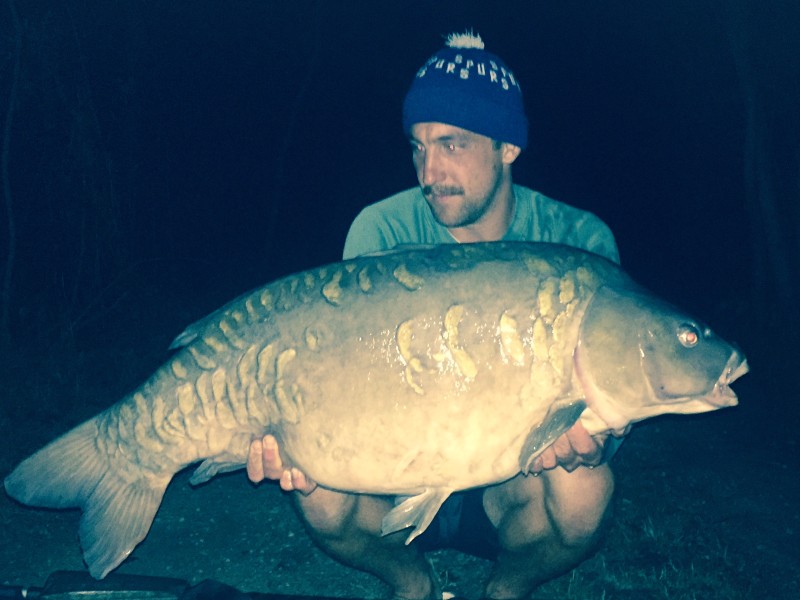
461, 524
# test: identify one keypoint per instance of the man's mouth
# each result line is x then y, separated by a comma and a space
435, 192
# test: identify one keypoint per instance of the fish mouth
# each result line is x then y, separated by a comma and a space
722, 395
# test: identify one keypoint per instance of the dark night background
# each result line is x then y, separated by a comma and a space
208, 147
161, 157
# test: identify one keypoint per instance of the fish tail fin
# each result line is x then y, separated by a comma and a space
118, 505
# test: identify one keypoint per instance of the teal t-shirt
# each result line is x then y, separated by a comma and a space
405, 218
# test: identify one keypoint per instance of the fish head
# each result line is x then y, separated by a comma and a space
638, 356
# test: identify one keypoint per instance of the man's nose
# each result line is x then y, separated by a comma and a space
431, 169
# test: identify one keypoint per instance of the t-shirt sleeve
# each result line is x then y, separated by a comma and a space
366, 234
400, 219
595, 236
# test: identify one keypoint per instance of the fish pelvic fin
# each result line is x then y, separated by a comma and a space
415, 511
118, 506
223, 463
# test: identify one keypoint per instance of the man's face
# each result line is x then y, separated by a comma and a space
459, 172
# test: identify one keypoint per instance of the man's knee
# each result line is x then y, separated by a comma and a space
325, 512
339, 515
578, 503
568, 506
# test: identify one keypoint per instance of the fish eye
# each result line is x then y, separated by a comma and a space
688, 335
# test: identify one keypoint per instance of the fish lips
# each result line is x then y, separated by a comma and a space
722, 395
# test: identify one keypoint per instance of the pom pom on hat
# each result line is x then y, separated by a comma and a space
466, 86
465, 40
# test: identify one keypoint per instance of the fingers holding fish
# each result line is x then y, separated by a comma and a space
571, 450
295, 480
264, 462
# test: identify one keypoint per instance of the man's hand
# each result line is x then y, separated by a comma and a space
264, 462
573, 449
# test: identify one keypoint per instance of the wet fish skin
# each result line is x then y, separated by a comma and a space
414, 373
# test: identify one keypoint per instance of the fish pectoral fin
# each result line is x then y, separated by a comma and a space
558, 420
415, 511
221, 463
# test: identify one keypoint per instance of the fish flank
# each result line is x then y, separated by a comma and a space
194, 421
463, 361
332, 290
159, 416
216, 343
511, 343
287, 396
246, 367
203, 361
566, 288
253, 313
224, 411
178, 369
256, 406
546, 297
235, 399
407, 279
144, 431
229, 327
202, 387
265, 362
404, 337
364, 280
267, 301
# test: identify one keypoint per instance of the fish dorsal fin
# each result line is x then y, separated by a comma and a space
398, 249
199, 327
558, 420
415, 511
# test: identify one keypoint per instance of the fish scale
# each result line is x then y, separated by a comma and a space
416, 372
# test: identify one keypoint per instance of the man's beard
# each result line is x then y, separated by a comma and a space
466, 214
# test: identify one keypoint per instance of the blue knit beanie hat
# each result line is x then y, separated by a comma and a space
465, 86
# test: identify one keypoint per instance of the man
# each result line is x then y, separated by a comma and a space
466, 123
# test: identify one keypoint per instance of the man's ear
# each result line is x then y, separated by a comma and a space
509, 152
